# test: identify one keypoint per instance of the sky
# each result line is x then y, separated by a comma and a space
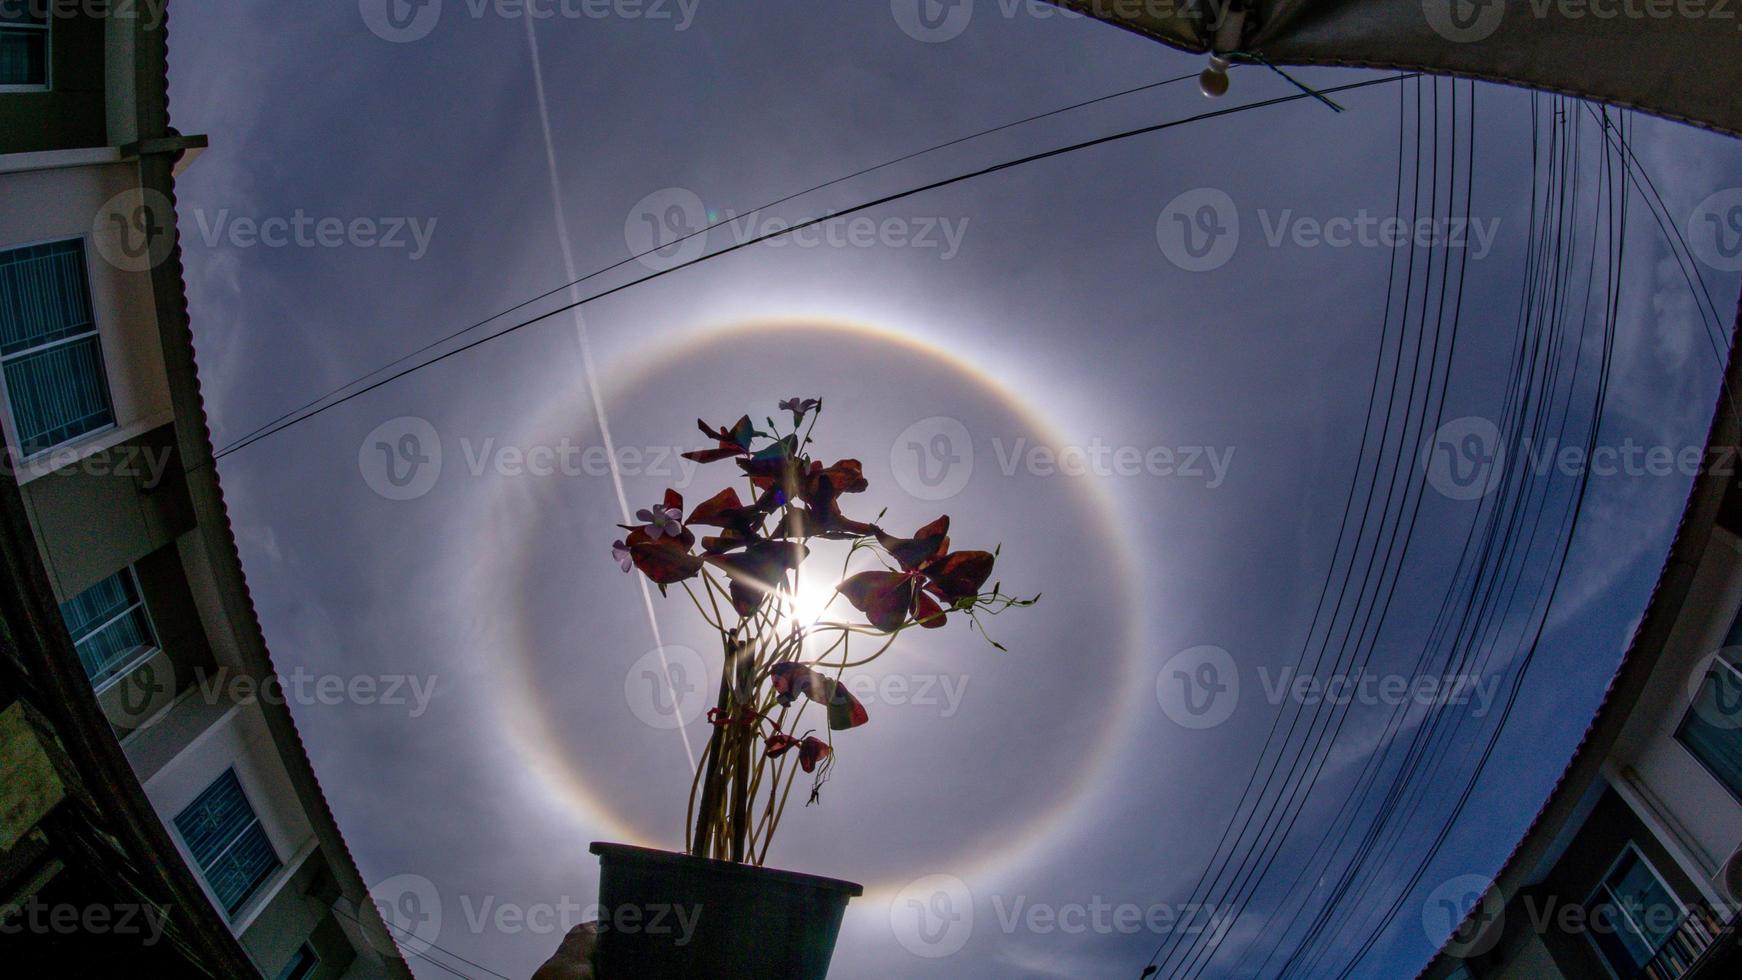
1161, 436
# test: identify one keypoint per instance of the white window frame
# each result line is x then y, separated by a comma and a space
249, 907
1602, 886
140, 655
47, 29
309, 968
1676, 735
95, 331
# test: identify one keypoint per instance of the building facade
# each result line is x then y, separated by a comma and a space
1633, 867
109, 456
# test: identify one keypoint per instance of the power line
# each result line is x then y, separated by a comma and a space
1481, 597
1672, 231
800, 226
1299, 786
709, 227
1672, 234
1617, 246
1481, 591
1385, 321
1616, 230
1413, 760
1371, 629
1618, 241
1213, 870
427, 942
438, 963
1552, 274
1220, 865
1374, 765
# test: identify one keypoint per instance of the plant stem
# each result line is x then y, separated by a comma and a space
701, 845
741, 663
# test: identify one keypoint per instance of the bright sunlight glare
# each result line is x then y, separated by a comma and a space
811, 602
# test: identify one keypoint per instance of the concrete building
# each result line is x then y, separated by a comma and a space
1633, 866
110, 461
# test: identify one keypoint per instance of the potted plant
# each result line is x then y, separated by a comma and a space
742, 575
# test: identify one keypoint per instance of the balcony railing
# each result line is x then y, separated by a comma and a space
1693, 935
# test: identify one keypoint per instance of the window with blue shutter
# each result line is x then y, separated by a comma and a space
49, 348
302, 965
23, 46
227, 842
1632, 913
1712, 728
109, 625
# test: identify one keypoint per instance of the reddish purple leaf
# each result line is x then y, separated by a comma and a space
755, 571
959, 575
712, 455
926, 543
926, 612
664, 559
884, 597
812, 751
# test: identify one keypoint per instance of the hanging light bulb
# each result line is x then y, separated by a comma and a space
1213, 81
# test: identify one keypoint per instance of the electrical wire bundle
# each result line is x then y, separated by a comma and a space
1490, 620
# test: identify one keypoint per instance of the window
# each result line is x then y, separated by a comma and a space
23, 47
110, 627
227, 842
1632, 913
49, 348
1712, 729
301, 966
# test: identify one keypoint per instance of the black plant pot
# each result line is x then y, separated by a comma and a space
663, 914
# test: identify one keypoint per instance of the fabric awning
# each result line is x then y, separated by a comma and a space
1681, 59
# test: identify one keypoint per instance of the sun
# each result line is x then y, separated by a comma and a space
810, 603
